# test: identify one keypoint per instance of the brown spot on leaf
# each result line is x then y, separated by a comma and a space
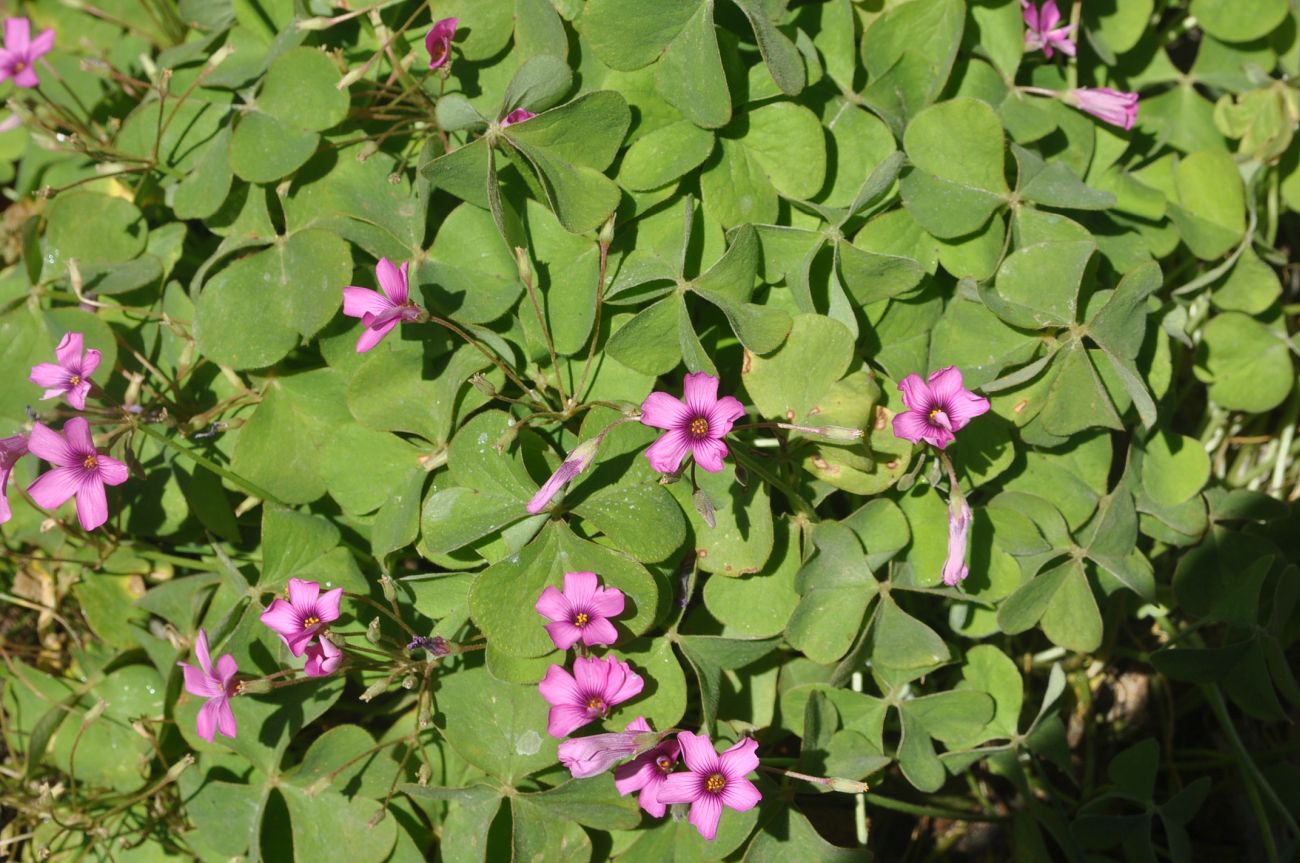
1021, 405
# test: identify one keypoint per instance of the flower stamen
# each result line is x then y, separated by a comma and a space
715, 783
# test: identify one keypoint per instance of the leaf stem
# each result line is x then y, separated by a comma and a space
234, 478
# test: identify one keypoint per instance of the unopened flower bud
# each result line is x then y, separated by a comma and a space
351, 78
220, 55
574, 463
376, 689
367, 150
483, 385
425, 774
255, 686
372, 631
704, 506
387, 586
607, 231
313, 24
848, 786
408, 682
94, 713
525, 266
174, 772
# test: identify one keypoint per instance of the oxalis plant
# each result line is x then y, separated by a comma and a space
644, 430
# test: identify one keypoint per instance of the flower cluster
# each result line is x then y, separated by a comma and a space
301, 618
80, 470
580, 614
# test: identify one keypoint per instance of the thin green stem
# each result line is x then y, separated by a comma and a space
929, 811
235, 479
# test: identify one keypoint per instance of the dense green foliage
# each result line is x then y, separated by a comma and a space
811, 200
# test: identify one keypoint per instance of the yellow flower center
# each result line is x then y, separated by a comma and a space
715, 783
664, 763
90, 462
596, 703
75, 380
19, 66
309, 621
580, 619
699, 427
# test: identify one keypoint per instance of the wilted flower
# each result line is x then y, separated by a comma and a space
589, 756
595, 686
437, 645
380, 312
11, 449
1041, 30
959, 518
217, 688
581, 612
21, 51
936, 409
713, 781
646, 773
71, 374
1112, 106
518, 115
696, 426
323, 657
79, 469
306, 613
574, 463
438, 42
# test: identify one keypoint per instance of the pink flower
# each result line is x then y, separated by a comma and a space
70, 375
217, 688
574, 463
438, 42
323, 657
21, 51
11, 449
1112, 106
647, 772
380, 312
1041, 30
713, 781
937, 409
581, 612
595, 686
959, 518
697, 426
79, 469
305, 614
518, 115
589, 756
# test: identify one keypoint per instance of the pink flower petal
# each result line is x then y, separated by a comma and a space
698, 753
112, 471
358, 302
45, 443
1048, 15
77, 395
964, 407
723, 415
709, 454
92, 503
392, 281
77, 431
201, 652
634, 775
564, 719
564, 634
206, 723
198, 683
27, 78
553, 605
327, 606
90, 362
371, 337
17, 35
638, 724
911, 425
559, 687
41, 45
282, 618
741, 795
607, 602
598, 631
69, 351
649, 800
226, 669
916, 395
592, 675
225, 717
706, 812
680, 787
55, 487
666, 454
740, 760
662, 411
303, 595
579, 587
700, 392
51, 376
944, 384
